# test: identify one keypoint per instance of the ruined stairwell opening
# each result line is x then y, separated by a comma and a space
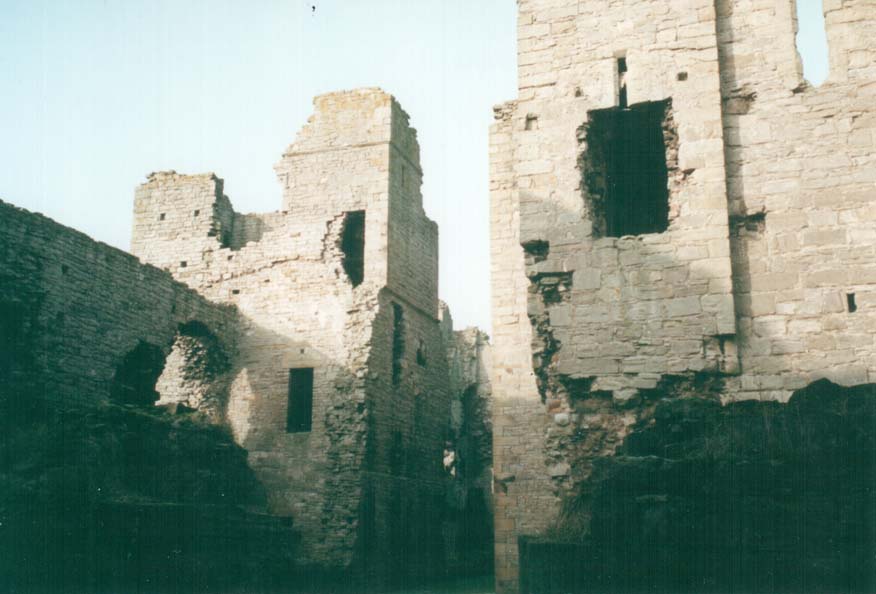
353, 246
628, 158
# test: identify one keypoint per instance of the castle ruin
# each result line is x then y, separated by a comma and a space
674, 210
680, 389
313, 333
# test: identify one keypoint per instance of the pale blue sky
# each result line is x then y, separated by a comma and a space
98, 93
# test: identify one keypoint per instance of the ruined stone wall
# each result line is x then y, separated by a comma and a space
468, 451
519, 465
289, 274
74, 311
296, 306
408, 399
469, 359
745, 291
622, 311
801, 165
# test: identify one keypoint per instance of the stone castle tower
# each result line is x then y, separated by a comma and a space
338, 387
672, 204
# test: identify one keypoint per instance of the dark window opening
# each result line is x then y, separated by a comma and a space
681, 76
622, 82
421, 353
235, 291
850, 302
536, 250
626, 177
398, 342
353, 246
531, 122
196, 213
300, 410
136, 376
183, 264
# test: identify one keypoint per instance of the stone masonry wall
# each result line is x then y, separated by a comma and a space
761, 282
407, 420
519, 466
468, 451
73, 310
286, 273
801, 165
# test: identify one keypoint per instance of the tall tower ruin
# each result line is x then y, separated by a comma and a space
672, 206
339, 380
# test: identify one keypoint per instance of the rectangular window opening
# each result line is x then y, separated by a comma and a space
161, 217
398, 342
353, 246
421, 353
625, 169
299, 413
622, 82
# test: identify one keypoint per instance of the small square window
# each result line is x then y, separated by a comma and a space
161, 217
183, 264
851, 303
196, 213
